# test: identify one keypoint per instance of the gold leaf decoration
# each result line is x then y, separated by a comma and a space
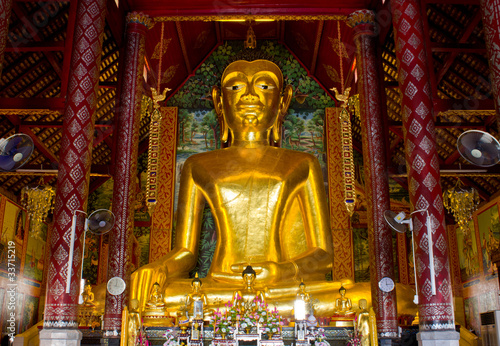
332, 73
156, 52
335, 46
169, 73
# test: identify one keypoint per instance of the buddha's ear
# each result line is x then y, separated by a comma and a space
283, 109
286, 99
217, 99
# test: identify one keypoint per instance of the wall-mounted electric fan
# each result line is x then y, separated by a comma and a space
15, 151
99, 222
400, 224
479, 148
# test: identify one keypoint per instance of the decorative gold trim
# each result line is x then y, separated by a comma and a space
27, 112
245, 17
140, 18
361, 17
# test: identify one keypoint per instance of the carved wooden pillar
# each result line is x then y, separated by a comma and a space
491, 24
128, 121
5, 11
435, 309
75, 159
375, 163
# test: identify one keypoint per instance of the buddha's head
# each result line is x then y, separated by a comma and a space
249, 275
363, 304
156, 288
302, 286
196, 283
250, 98
342, 291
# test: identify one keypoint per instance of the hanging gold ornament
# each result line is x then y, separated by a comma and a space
38, 200
346, 132
154, 137
462, 202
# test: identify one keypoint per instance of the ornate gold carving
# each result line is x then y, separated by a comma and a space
332, 73
338, 47
361, 17
158, 52
140, 18
169, 73
246, 17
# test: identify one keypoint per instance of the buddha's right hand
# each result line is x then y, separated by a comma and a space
143, 279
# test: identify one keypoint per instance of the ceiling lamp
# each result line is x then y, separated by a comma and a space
462, 202
38, 200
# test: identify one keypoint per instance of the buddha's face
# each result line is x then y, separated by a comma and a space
249, 278
251, 95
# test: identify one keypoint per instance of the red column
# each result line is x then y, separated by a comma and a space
491, 24
435, 311
5, 11
128, 123
75, 158
376, 180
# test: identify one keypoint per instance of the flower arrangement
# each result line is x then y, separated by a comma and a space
320, 339
171, 338
224, 321
354, 339
270, 320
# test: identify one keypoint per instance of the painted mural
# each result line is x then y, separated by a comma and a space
488, 226
35, 253
468, 253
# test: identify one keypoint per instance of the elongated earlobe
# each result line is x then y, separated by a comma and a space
283, 109
217, 99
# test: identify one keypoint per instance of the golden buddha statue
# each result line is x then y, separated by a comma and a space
269, 204
196, 301
88, 297
245, 298
363, 323
304, 296
155, 301
134, 323
343, 305
155, 311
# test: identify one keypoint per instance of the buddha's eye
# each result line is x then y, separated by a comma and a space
264, 86
235, 87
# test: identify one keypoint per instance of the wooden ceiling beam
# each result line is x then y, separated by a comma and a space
53, 103
183, 48
443, 105
40, 145
35, 47
96, 183
115, 19
465, 36
465, 48
319, 34
33, 31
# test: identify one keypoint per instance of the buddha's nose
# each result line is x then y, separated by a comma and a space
250, 97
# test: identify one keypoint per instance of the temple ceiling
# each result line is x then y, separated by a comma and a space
34, 78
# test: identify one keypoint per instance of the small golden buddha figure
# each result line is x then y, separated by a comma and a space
155, 312
155, 301
304, 296
363, 322
269, 203
343, 305
245, 298
88, 297
196, 301
134, 323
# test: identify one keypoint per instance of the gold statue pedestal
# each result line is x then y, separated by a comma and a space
342, 321
157, 318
